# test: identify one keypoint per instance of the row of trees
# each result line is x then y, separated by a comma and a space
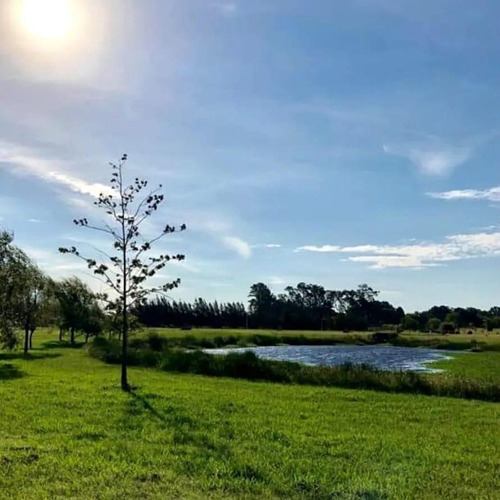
304, 307
312, 307
162, 312
447, 319
30, 299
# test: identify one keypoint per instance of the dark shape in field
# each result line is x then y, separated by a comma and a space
8, 372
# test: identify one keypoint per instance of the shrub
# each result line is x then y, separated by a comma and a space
447, 328
155, 342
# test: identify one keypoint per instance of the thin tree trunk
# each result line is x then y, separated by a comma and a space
72, 335
60, 334
26, 339
32, 331
124, 379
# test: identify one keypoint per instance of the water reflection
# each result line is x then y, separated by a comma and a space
381, 357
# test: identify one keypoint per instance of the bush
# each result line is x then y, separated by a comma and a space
155, 342
434, 325
447, 328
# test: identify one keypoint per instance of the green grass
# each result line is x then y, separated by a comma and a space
66, 430
482, 365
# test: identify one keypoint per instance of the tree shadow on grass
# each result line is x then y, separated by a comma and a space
183, 429
9, 372
8, 356
55, 344
139, 404
170, 415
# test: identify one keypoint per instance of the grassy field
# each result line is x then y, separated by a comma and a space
66, 430
484, 365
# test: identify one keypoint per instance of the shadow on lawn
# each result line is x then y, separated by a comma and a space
139, 404
9, 372
55, 344
170, 415
8, 356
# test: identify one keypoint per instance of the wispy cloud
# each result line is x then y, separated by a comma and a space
492, 194
27, 161
276, 281
418, 255
432, 159
320, 249
241, 247
267, 245
227, 9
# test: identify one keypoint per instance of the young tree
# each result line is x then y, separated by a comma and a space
126, 272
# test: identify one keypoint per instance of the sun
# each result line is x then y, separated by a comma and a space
48, 19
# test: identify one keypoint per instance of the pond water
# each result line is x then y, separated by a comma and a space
381, 357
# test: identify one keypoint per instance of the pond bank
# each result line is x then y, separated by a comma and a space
247, 365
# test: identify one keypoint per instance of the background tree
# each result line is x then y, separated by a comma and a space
434, 325
262, 305
76, 303
13, 265
410, 323
33, 294
126, 272
447, 327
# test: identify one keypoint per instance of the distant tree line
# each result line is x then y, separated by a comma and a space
444, 319
304, 307
161, 312
312, 307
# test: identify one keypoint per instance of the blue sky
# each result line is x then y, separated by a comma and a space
329, 142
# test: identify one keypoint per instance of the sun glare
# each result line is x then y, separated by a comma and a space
48, 19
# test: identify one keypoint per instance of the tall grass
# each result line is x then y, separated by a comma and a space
159, 342
152, 353
207, 339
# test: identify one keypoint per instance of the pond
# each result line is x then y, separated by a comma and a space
381, 357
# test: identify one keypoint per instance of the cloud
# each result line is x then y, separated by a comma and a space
321, 249
267, 245
276, 281
492, 194
227, 9
433, 160
240, 246
29, 162
418, 255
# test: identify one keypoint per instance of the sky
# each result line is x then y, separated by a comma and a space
335, 143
